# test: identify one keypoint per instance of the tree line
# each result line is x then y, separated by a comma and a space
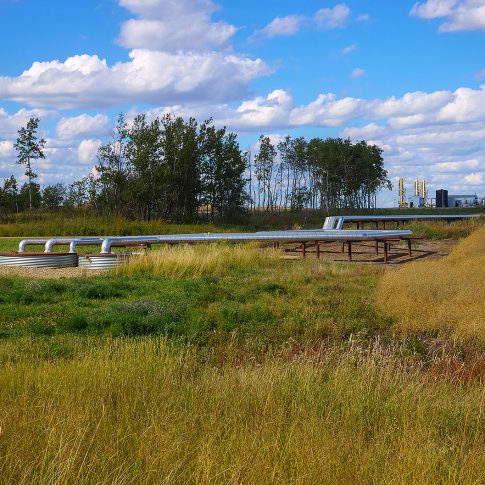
179, 170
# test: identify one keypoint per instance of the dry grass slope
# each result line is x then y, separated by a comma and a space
445, 296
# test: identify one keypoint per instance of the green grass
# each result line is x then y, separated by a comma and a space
224, 364
268, 304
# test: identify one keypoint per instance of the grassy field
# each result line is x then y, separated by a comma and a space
226, 364
145, 412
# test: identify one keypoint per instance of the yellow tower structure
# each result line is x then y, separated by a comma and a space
416, 188
402, 194
424, 191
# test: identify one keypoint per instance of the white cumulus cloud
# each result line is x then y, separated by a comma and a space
87, 150
324, 19
282, 26
333, 18
149, 77
11, 123
173, 25
474, 178
82, 126
6, 149
458, 14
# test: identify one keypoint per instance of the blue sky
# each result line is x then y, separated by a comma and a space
407, 76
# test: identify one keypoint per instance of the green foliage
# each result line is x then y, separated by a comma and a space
29, 148
178, 170
53, 196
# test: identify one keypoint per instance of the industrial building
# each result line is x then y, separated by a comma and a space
443, 198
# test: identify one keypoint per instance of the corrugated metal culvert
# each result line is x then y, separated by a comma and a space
39, 260
102, 261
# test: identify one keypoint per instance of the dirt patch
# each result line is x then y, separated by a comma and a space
365, 253
46, 273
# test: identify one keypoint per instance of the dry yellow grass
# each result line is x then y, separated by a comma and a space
445, 296
143, 412
189, 261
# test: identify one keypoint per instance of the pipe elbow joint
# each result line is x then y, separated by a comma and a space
49, 245
23, 245
106, 246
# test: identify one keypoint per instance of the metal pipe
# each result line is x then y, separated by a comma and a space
50, 243
30, 242
410, 217
84, 241
272, 236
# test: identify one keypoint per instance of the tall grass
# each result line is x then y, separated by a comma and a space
445, 296
143, 412
78, 224
446, 230
191, 261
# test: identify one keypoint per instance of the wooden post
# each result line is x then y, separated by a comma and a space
386, 249
384, 224
303, 249
349, 249
409, 247
377, 246
343, 246
318, 250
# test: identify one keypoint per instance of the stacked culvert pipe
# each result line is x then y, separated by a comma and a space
102, 261
39, 260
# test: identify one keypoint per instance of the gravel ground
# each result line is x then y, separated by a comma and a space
45, 273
